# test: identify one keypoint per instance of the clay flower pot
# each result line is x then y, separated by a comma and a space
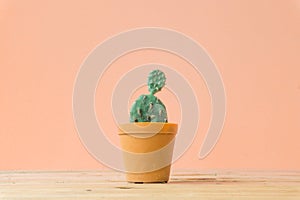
147, 150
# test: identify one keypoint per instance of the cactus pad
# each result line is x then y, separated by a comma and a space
148, 108
156, 81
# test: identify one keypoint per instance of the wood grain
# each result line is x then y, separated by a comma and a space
183, 185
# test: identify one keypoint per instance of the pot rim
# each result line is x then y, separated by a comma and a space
147, 127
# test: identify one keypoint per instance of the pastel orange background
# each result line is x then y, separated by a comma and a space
255, 45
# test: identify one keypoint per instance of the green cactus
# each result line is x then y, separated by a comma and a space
148, 108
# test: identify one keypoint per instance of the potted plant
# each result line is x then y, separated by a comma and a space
148, 140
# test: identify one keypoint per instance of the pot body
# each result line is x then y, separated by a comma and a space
147, 150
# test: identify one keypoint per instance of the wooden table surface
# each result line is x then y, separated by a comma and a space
183, 185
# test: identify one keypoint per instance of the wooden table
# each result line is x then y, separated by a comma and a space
183, 185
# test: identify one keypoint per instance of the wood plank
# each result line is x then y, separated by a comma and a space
183, 185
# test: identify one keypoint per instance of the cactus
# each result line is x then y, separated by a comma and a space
148, 108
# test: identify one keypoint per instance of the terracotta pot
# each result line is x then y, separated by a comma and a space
147, 150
